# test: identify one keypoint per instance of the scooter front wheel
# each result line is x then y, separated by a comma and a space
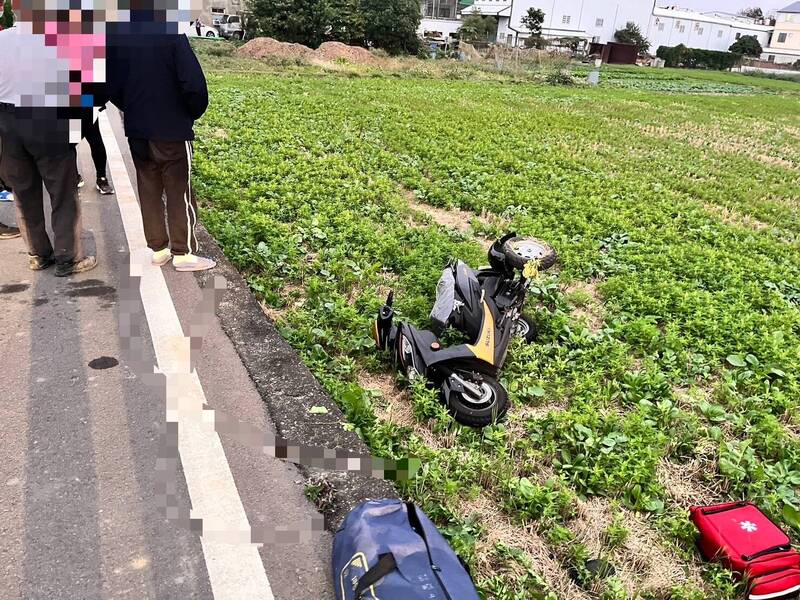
481, 402
519, 250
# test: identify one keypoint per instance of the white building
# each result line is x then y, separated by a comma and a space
784, 47
709, 31
597, 21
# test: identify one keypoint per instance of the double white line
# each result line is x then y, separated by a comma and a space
234, 565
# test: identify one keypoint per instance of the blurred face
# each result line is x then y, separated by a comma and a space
82, 15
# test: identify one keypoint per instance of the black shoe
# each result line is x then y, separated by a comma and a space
8, 233
104, 187
40, 263
87, 263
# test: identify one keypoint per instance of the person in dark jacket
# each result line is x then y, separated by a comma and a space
158, 83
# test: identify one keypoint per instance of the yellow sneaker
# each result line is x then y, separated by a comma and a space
191, 262
161, 257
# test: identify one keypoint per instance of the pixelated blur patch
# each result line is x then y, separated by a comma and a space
404, 469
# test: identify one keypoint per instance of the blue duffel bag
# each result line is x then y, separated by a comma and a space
390, 550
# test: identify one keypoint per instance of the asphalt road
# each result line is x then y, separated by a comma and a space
93, 493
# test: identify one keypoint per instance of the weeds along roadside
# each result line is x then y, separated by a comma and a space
305, 187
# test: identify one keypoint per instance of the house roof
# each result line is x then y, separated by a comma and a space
794, 7
487, 11
691, 15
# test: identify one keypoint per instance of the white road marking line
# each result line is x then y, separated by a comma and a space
234, 565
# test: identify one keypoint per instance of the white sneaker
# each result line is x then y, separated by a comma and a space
191, 262
161, 257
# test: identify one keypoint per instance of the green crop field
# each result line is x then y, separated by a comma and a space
666, 373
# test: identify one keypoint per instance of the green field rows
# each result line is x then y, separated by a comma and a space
667, 368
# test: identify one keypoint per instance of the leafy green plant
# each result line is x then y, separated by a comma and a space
307, 191
616, 533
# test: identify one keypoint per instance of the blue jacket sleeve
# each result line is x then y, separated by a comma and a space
191, 79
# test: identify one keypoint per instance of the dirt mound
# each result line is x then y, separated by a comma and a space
333, 51
328, 52
269, 47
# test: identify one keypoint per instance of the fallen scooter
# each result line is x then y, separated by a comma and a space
486, 306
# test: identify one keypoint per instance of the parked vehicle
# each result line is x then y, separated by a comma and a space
191, 31
230, 27
485, 305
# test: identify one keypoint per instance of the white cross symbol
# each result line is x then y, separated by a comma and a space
748, 526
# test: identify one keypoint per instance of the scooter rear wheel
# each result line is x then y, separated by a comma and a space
473, 410
526, 328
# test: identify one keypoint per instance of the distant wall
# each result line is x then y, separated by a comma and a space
746, 69
445, 26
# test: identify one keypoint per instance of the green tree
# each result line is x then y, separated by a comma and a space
752, 13
631, 34
747, 45
299, 21
392, 24
477, 28
572, 42
309, 22
536, 41
346, 22
7, 18
533, 20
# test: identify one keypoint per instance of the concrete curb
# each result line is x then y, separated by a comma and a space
289, 389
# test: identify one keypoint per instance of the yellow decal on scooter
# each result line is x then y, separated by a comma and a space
375, 335
484, 347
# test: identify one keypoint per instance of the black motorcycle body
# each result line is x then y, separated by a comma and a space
485, 305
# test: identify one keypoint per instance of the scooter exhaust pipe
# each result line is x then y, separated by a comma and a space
382, 328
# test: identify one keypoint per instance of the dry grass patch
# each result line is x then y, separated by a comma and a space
450, 218
520, 415
500, 529
642, 563
736, 219
396, 408
294, 297
587, 303
687, 483
716, 138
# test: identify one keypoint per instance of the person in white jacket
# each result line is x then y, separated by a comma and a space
39, 126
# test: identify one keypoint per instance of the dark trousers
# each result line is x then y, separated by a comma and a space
163, 170
26, 163
97, 147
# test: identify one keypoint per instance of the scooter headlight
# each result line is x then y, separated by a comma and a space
445, 301
406, 350
407, 358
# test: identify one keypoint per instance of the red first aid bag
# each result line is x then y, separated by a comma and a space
741, 537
